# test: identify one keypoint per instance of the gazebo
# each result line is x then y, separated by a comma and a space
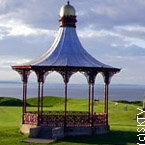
67, 56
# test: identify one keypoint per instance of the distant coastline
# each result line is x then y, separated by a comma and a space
128, 92
121, 85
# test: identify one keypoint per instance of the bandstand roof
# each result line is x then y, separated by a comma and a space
67, 51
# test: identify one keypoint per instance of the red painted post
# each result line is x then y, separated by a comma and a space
38, 103
92, 104
65, 112
41, 101
89, 105
24, 100
23, 107
107, 90
105, 99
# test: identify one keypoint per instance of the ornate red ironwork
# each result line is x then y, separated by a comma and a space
99, 119
73, 118
30, 118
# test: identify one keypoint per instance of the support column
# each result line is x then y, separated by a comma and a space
89, 102
65, 110
24, 100
25, 95
107, 78
41, 76
91, 75
66, 76
105, 111
92, 111
38, 102
24, 73
106, 85
42, 87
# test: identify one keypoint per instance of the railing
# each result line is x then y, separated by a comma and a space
31, 118
99, 119
73, 118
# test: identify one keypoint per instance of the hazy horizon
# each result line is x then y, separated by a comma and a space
111, 31
57, 83
116, 92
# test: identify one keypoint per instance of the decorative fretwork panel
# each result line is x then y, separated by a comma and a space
73, 118
31, 118
78, 120
52, 120
100, 119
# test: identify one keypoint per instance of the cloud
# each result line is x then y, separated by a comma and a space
107, 14
111, 43
132, 69
34, 13
98, 14
14, 28
6, 72
22, 45
111, 31
9, 61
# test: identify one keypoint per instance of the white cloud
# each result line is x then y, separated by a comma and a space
25, 31
13, 28
6, 72
7, 61
112, 31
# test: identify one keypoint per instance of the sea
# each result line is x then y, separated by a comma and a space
116, 91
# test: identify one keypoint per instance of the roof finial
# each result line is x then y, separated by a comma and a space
68, 2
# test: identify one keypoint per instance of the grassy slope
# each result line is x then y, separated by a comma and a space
123, 123
48, 101
4, 101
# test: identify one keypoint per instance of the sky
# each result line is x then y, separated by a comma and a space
112, 31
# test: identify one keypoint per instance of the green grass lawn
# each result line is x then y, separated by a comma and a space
123, 123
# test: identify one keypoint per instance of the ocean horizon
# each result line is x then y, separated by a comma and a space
116, 91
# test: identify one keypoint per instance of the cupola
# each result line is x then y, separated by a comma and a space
67, 17
67, 10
